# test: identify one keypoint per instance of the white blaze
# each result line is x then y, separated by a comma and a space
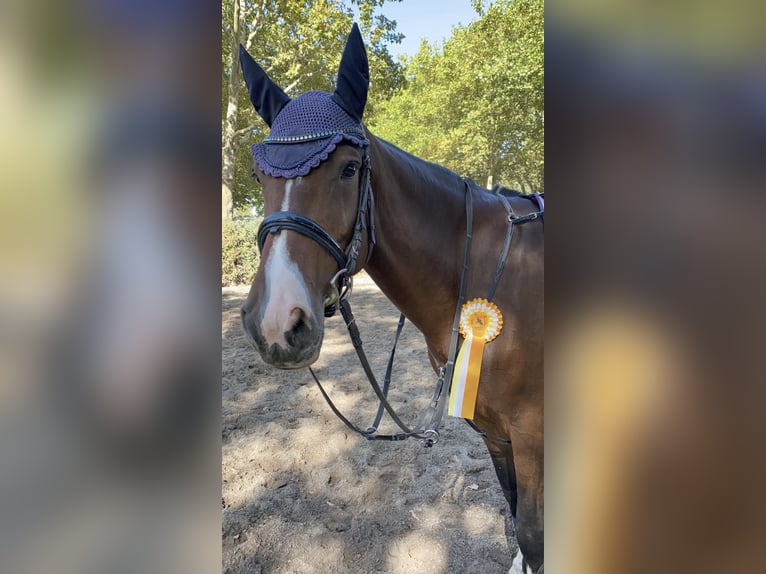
285, 288
286, 200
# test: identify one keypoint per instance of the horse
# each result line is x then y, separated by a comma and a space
338, 199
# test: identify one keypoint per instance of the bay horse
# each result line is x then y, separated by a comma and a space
319, 168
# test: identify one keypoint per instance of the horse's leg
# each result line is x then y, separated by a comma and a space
525, 499
502, 460
528, 463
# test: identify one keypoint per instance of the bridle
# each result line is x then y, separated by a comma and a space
346, 259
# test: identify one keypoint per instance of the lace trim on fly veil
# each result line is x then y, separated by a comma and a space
303, 165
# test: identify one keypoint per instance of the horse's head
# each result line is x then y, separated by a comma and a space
314, 170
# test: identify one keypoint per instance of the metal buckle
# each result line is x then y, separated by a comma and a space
514, 218
432, 437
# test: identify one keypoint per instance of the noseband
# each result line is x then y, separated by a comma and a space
292, 221
346, 259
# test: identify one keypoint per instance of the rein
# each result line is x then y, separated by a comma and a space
428, 429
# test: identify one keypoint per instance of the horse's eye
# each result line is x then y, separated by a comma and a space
254, 175
350, 170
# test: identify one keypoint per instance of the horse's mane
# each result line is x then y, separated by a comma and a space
507, 192
440, 170
496, 190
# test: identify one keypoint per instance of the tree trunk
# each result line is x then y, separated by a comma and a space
229, 141
527, 185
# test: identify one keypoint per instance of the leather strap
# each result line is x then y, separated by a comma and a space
387, 378
292, 221
427, 430
449, 368
513, 220
506, 248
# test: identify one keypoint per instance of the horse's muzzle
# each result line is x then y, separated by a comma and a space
299, 343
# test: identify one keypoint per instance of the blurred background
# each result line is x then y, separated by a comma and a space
109, 271
656, 132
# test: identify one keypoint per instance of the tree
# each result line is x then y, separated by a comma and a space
299, 44
476, 104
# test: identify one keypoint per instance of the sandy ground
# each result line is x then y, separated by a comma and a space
304, 495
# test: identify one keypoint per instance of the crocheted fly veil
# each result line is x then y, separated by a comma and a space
307, 129
304, 132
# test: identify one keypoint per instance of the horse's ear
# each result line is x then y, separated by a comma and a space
353, 76
268, 98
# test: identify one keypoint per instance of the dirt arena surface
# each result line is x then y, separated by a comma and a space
304, 495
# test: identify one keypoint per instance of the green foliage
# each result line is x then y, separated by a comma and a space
475, 105
299, 43
240, 251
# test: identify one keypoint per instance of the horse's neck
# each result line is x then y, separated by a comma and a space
420, 223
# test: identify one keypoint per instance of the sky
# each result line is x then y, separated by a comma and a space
430, 19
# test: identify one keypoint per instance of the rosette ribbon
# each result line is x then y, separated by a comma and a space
480, 322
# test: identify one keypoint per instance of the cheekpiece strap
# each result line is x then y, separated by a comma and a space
364, 220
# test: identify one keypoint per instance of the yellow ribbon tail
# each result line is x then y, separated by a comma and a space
465, 381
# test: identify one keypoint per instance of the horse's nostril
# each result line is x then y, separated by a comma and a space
298, 321
299, 328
